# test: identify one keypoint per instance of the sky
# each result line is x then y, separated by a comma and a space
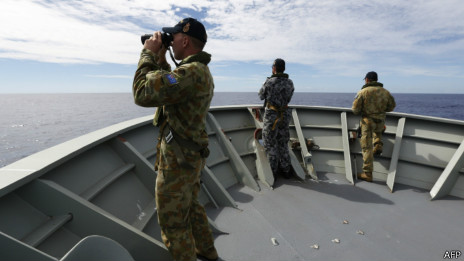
71, 46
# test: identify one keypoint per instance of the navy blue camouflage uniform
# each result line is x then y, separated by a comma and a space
277, 91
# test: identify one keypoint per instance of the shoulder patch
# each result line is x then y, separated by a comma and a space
170, 79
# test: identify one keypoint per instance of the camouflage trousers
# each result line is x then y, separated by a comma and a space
371, 134
183, 221
276, 141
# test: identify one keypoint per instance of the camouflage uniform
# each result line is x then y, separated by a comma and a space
277, 91
372, 102
185, 95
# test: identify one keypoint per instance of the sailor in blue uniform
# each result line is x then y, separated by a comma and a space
277, 92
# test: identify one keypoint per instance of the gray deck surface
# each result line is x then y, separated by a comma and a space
404, 225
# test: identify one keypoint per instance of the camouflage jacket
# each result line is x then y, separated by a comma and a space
185, 92
373, 101
277, 90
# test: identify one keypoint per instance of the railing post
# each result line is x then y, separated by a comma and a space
396, 153
346, 148
450, 174
305, 154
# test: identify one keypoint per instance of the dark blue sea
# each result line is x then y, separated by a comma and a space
33, 122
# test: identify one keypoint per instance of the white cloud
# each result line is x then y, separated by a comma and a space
327, 35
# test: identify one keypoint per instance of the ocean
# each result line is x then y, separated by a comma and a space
33, 122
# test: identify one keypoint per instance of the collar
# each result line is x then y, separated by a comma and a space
283, 75
373, 84
202, 57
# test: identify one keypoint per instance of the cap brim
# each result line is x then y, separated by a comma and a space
170, 30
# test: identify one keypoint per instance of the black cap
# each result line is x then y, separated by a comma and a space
279, 65
189, 26
372, 76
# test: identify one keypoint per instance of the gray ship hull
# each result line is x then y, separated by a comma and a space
97, 192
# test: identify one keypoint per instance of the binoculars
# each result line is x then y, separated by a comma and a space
166, 39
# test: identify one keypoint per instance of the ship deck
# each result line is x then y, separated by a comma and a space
102, 183
405, 225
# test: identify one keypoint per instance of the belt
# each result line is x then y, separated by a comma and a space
177, 142
280, 110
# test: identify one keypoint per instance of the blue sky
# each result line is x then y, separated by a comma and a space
416, 46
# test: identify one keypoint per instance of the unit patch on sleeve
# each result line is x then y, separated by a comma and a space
170, 79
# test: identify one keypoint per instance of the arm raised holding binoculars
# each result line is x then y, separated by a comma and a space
155, 45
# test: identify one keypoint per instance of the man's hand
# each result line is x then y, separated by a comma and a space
162, 55
154, 44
